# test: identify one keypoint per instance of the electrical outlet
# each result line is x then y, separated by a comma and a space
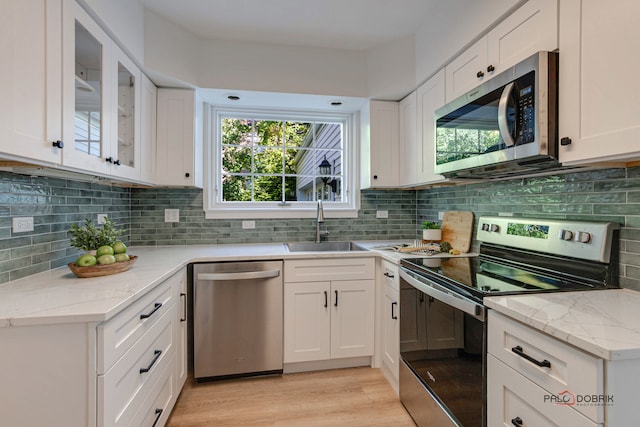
172, 215
102, 218
440, 216
382, 214
248, 225
22, 224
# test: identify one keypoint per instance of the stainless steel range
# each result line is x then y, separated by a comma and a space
442, 316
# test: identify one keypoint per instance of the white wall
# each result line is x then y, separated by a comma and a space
174, 57
452, 27
272, 68
124, 21
171, 53
391, 70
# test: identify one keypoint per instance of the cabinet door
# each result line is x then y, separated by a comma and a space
176, 138
445, 326
125, 106
531, 28
352, 318
148, 100
413, 306
599, 109
391, 331
31, 72
86, 111
307, 321
384, 144
430, 97
180, 289
410, 149
466, 71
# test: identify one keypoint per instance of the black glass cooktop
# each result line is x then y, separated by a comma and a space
481, 276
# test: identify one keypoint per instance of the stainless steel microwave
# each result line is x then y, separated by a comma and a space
506, 126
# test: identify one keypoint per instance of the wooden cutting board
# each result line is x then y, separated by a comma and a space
457, 229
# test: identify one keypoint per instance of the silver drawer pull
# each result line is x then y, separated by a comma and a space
156, 356
518, 350
239, 276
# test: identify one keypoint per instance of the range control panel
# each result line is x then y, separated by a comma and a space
577, 239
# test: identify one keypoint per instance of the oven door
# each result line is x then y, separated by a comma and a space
442, 349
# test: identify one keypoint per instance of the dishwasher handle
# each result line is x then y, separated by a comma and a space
246, 275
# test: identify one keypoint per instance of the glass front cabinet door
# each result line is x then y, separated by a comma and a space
100, 100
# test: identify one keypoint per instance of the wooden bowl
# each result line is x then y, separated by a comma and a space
102, 270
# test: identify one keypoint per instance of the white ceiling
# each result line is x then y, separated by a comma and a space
343, 24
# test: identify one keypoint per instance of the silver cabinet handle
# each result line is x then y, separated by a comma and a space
239, 276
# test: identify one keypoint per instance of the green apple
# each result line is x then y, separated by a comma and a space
106, 259
121, 257
119, 247
104, 250
86, 260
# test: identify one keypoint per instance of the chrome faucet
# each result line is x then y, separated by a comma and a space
320, 219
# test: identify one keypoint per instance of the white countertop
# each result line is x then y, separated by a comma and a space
605, 323
58, 296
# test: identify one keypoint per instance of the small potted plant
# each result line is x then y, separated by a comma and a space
431, 231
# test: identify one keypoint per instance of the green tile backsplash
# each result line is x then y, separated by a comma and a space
608, 194
148, 226
54, 205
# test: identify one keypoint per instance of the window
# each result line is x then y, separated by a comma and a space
273, 164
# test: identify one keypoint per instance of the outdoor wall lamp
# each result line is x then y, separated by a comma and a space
325, 169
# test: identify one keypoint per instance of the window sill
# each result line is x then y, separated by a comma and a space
280, 212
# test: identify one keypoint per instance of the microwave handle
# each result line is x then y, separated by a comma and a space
503, 124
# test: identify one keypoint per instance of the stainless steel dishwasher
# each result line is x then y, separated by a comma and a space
237, 319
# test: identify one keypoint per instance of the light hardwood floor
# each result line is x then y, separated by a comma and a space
343, 397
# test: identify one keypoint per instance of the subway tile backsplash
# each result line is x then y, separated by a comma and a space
54, 205
607, 194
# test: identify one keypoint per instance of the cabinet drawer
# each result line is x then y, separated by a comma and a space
123, 389
117, 335
156, 409
570, 369
510, 397
323, 270
390, 274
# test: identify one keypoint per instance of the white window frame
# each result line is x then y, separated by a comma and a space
215, 208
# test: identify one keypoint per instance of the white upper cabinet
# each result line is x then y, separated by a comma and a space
179, 159
148, 100
380, 145
531, 28
409, 145
30, 76
87, 53
71, 97
126, 107
599, 109
430, 97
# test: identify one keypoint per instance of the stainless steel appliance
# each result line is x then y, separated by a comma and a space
443, 363
237, 319
506, 126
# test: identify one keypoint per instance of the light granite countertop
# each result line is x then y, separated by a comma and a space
58, 296
605, 323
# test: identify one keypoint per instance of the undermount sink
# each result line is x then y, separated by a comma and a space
323, 247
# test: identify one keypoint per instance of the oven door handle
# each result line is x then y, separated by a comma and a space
457, 301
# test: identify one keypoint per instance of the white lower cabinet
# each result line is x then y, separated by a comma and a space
328, 319
539, 380
389, 320
126, 371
